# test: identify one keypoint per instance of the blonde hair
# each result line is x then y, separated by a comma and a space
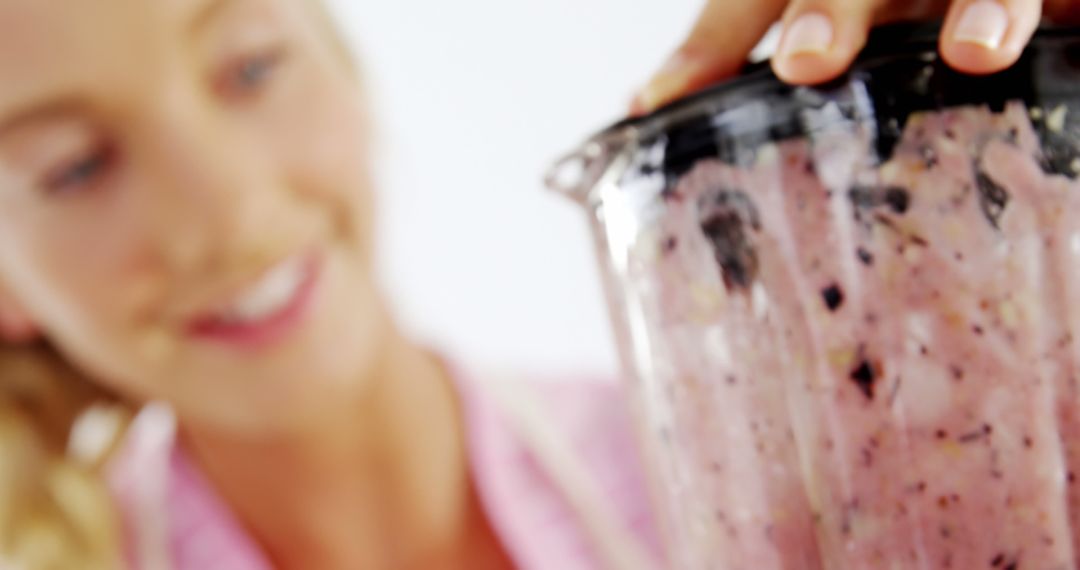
55, 510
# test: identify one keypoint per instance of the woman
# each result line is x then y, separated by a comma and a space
185, 251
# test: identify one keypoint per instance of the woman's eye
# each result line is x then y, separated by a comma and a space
252, 74
80, 173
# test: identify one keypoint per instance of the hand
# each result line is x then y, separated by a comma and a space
821, 38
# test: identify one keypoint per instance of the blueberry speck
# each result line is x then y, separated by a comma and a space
1059, 153
972, 437
833, 296
865, 377
863, 197
729, 225
867, 197
898, 199
864, 256
993, 198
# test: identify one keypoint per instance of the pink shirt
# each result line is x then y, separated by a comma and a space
533, 499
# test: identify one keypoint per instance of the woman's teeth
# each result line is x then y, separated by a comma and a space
269, 296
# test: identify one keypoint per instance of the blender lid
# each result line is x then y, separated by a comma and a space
898, 73
890, 42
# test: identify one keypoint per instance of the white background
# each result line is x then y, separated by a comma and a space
474, 99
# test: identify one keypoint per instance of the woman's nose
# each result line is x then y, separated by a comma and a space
213, 195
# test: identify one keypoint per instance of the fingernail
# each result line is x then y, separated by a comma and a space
672, 80
984, 23
811, 33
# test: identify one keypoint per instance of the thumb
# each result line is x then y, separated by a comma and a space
717, 47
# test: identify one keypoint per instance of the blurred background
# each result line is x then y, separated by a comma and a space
474, 98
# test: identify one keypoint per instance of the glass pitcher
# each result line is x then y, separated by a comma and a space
849, 314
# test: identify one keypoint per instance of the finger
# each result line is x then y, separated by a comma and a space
821, 38
985, 36
717, 47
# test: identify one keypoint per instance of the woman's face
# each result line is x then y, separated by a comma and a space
184, 202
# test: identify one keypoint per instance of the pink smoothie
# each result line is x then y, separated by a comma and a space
869, 365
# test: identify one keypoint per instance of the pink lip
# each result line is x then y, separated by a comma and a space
269, 329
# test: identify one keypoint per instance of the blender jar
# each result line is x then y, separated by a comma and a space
849, 314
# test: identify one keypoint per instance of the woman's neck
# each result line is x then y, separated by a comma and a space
383, 482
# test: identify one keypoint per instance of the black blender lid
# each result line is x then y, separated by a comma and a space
890, 42
898, 74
